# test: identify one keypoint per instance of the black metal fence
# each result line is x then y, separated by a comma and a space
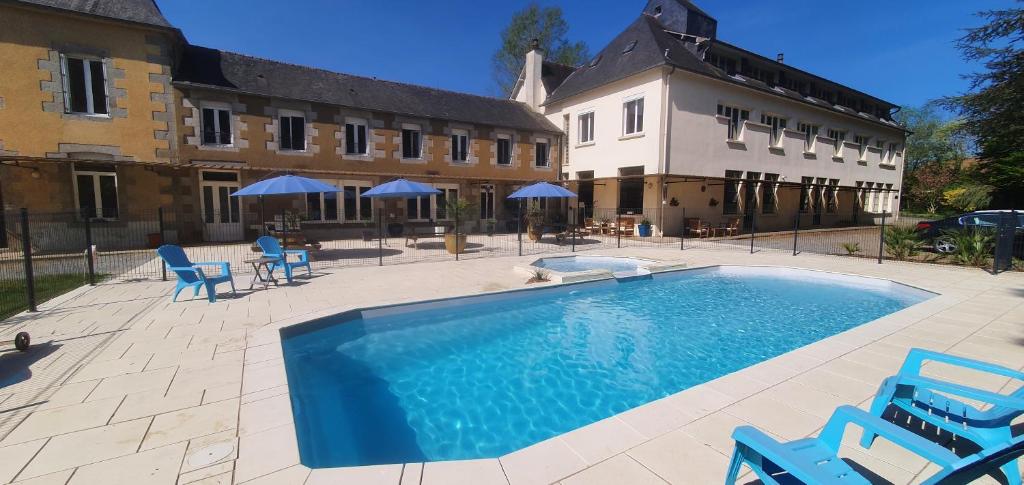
46, 254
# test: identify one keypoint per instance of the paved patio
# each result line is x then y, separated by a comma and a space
124, 386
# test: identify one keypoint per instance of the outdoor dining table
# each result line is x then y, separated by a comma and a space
264, 271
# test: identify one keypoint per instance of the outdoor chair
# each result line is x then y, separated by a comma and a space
272, 249
591, 226
191, 275
815, 460
731, 228
627, 226
696, 227
931, 400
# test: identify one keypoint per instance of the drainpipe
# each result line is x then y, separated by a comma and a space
663, 162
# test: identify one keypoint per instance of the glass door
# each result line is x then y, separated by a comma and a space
222, 218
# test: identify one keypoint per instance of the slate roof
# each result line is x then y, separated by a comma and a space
139, 11
655, 47
553, 74
212, 68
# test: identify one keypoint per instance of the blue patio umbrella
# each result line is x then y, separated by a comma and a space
542, 190
288, 184
401, 189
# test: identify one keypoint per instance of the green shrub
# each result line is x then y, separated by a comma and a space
902, 243
851, 248
974, 246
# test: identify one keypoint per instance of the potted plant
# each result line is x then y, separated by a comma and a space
490, 224
457, 210
534, 223
644, 228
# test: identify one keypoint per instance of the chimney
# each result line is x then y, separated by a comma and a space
779, 58
533, 89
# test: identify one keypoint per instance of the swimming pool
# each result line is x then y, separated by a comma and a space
570, 264
479, 377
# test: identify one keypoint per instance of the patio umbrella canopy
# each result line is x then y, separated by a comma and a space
542, 190
401, 189
288, 184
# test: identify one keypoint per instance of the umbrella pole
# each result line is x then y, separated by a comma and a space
519, 224
263, 218
380, 236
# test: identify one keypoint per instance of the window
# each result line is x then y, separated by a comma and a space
347, 206
504, 150
777, 124
805, 195
731, 204
460, 145
355, 137
541, 148
831, 196
293, 132
447, 193
769, 199
85, 89
837, 140
863, 141
96, 192
216, 126
487, 201
894, 150
322, 207
810, 132
418, 208
736, 118
586, 121
633, 110
411, 143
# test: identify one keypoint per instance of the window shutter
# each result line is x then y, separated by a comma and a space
361, 131
99, 88
350, 138
286, 133
298, 133
225, 126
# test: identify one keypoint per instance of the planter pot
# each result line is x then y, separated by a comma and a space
395, 229
644, 230
155, 240
449, 243
534, 233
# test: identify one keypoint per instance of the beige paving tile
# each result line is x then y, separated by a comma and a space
852, 390
62, 420
197, 455
14, 457
775, 416
219, 479
601, 440
69, 394
109, 368
221, 393
715, 430
617, 470
191, 423
293, 475
701, 400
264, 414
805, 398
545, 462
88, 446
463, 472
412, 473
207, 473
56, 478
656, 417
266, 452
155, 381
206, 378
369, 475
150, 404
264, 375
152, 467
679, 458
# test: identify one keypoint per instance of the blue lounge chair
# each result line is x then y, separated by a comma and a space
920, 397
815, 460
272, 249
190, 275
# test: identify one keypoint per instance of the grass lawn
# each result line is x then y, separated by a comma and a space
12, 292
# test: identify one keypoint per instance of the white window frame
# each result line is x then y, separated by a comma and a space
446, 188
216, 107
511, 150
837, 141
864, 141
460, 133
585, 126
90, 104
547, 152
97, 193
638, 115
735, 131
419, 151
777, 123
288, 113
810, 131
356, 122
894, 150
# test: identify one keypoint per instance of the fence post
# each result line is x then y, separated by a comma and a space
575, 222
284, 234
26, 251
618, 233
881, 239
682, 232
160, 223
796, 230
519, 224
753, 229
457, 231
380, 236
88, 252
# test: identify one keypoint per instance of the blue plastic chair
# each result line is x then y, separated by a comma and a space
919, 396
190, 275
816, 460
272, 249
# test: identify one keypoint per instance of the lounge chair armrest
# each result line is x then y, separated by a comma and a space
916, 357
989, 397
832, 434
225, 267
301, 253
185, 268
779, 454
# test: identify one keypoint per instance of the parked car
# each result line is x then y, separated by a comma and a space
934, 232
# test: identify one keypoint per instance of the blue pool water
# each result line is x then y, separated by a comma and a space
569, 264
481, 377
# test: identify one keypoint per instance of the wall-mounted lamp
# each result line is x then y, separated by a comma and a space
703, 188
35, 173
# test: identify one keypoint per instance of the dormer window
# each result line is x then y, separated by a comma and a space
629, 48
657, 11
594, 62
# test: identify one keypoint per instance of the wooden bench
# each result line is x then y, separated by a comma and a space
415, 233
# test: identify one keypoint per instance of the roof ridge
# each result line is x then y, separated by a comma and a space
368, 78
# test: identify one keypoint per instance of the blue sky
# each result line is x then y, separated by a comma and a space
899, 50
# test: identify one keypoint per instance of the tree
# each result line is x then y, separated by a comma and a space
968, 197
993, 107
935, 150
549, 28
926, 184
